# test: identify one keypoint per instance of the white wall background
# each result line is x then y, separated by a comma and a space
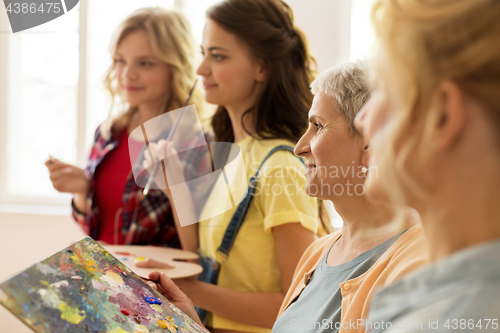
326, 24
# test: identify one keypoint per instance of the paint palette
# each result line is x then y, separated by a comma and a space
129, 255
84, 288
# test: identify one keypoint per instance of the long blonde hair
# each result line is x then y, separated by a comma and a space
169, 34
423, 43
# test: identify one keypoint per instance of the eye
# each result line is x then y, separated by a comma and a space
218, 57
118, 61
318, 125
146, 63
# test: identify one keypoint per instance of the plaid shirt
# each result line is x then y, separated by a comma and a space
154, 224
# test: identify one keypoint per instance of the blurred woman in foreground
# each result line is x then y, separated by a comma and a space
433, 125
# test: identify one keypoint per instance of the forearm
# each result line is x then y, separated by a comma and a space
80, 201
188, 235
252, 308
187, 230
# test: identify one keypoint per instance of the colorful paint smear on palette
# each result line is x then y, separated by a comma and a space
83, 288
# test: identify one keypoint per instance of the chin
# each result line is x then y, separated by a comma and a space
310, 193
133, 102
314, 190
212, 98
375, 192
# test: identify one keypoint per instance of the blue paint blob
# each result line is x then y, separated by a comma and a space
124, 258
152, 300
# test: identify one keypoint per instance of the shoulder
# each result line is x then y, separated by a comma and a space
100, 140
408, 253
282, 159
413, 241
105, 133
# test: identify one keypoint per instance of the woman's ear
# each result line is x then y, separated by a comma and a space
365, 155
452, 108
262, 71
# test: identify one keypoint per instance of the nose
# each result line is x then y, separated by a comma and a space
303, 147
203, 69
129, 73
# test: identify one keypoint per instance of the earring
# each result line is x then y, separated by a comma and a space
364, 169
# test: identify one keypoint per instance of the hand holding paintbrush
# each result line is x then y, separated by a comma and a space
67, 178
169, 138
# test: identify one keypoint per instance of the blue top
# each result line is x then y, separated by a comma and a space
458, 293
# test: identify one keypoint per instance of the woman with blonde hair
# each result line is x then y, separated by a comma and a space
433, 125
152, 73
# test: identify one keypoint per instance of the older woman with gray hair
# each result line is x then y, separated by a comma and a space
337, 274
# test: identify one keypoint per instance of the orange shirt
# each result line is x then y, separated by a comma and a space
406, 254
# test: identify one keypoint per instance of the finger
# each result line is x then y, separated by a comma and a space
173, 290
170, 148
63, 172
161, 152
152, 285
155, 276
51, 160
151, 154
59, 186
58, 176
56, 166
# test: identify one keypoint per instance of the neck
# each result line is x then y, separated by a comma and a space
462, 221
144, 113
148, 112
236, 116
236, 111
461, 207
367, 222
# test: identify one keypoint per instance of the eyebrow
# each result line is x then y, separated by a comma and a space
314, 117
140, 57
212, 48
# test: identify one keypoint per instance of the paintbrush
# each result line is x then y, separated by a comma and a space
172, 131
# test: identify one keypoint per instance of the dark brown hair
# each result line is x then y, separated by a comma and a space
267, 27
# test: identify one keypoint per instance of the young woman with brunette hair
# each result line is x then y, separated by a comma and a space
257, 68
152, 73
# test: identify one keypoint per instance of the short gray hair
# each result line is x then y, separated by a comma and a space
348, 84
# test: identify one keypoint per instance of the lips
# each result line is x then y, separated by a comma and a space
132, 89
310, 167
207, 86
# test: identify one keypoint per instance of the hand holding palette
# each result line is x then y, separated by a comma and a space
83, 288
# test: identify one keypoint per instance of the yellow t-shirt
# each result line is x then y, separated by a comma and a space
280, 198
